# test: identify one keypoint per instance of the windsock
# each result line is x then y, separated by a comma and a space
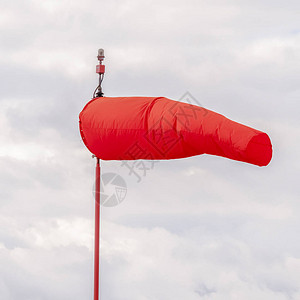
130, 128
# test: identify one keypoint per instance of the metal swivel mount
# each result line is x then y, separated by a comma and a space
100, 69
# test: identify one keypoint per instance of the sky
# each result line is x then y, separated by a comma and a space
198, 228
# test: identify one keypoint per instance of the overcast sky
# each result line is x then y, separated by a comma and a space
197, 228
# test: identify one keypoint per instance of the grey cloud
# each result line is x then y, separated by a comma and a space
194, 228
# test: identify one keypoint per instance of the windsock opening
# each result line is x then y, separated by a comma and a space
259, 149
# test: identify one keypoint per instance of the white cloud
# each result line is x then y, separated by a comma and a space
216, 268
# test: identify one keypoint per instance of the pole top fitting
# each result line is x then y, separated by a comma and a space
100, 69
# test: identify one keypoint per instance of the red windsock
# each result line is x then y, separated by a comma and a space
128, 128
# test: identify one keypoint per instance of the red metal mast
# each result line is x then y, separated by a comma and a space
100, 69
97, 231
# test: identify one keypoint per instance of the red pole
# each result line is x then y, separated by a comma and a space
97, 231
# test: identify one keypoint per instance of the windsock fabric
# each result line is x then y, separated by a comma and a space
130, 128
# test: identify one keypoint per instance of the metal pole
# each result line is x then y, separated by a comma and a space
100, 69
97, 231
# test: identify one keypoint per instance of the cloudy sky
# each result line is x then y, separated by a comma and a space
197, 228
